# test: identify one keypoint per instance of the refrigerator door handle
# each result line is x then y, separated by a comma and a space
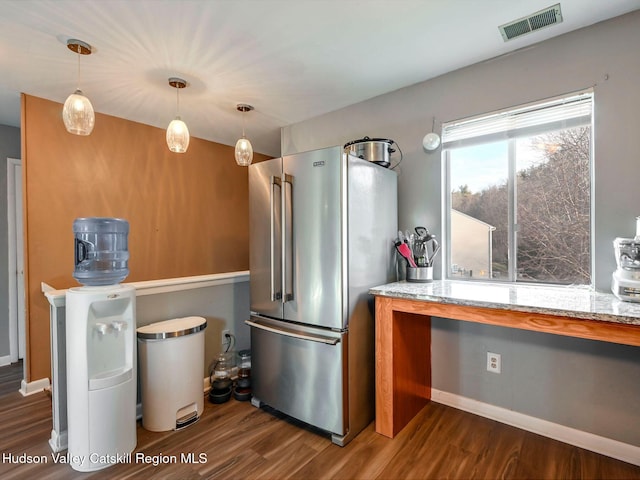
287, 235
276, 240
290, 333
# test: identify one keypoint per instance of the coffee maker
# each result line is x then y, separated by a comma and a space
625, 283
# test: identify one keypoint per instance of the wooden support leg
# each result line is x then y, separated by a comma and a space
403, 366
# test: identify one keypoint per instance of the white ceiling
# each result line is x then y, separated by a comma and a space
291, 59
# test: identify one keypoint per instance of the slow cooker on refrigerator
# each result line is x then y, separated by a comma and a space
375, 150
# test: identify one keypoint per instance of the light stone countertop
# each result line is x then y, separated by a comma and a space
569, 301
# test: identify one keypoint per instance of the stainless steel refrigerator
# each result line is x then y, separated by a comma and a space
321, 230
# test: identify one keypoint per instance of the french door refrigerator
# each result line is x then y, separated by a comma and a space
321, 230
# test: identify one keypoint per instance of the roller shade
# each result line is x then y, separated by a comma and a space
567, 112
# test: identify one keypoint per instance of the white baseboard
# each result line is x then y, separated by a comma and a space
4, 361
34, 387
606, 446
58, 442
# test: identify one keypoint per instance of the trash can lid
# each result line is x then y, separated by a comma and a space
176, 327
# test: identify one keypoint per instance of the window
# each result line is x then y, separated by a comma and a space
518, 202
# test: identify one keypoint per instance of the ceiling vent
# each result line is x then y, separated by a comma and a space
531, 23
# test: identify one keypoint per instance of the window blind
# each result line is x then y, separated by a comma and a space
567, 112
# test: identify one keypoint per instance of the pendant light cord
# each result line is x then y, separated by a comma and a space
178, 101
78, 54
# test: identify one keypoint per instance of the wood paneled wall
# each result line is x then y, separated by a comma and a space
188, 213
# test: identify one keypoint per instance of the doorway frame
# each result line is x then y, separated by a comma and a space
17, 322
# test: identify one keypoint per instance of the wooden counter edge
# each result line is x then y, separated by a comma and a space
612, 332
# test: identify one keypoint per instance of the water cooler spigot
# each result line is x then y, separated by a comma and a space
102, 328
119, 325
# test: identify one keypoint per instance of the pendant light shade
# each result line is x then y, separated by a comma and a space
244, 150
431, 140
177, 136
77, 114
177, 131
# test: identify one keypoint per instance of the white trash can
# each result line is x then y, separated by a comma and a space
171, 356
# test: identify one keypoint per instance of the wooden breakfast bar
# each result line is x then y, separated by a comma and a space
403, 329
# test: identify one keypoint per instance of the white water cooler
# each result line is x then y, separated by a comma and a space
101, 349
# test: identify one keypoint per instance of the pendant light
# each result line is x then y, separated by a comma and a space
177, 131
77, 113
431, 141
244, 150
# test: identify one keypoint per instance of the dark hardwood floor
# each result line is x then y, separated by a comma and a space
237, 441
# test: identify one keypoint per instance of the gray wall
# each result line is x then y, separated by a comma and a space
225, 307
587, 385
9, 148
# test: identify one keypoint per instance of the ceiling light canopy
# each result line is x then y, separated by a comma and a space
244, 150
77, 114
177, 131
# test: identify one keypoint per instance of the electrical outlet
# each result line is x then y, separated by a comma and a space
224, 340
494, 362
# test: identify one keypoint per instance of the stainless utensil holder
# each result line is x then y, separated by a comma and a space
420, 274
